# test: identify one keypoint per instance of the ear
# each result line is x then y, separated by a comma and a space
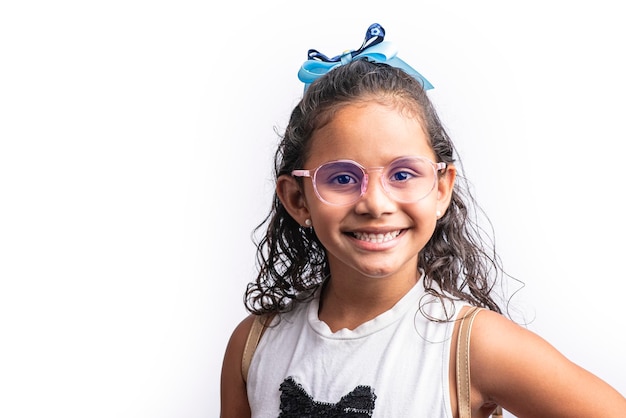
445, 185
292, 197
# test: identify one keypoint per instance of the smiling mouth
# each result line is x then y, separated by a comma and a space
377, 238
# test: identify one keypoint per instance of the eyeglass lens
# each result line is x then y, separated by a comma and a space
344, 182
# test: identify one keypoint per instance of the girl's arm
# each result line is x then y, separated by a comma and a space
233, 395
527, 376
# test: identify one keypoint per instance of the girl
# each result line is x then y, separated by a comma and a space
369, 261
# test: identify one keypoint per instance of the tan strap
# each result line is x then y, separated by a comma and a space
462, 364
497, 413
463, 380
254, 336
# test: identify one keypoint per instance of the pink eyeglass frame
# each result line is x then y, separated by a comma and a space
312, 175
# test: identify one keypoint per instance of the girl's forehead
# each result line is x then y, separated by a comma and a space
369, 132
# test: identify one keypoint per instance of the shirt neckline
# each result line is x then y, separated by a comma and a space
409, 300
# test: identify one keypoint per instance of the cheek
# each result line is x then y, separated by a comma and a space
325, 224
308, 195
324, 215
424, 215
426, 207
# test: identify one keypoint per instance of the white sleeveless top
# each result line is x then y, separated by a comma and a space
394, 366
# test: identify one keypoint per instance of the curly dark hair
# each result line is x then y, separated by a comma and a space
292, 261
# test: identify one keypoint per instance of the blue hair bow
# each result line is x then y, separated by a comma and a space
374, 48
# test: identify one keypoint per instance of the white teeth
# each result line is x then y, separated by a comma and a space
363, 236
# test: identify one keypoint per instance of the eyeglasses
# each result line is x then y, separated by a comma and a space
343, 182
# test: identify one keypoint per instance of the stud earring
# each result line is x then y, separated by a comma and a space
438, 214
307, 222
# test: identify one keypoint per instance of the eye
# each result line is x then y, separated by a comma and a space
340, 180
339, 174
408, 170
344, 178
403, 174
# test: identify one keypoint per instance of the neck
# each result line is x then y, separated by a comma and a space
347, 302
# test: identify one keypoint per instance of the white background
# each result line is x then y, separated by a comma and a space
136, 141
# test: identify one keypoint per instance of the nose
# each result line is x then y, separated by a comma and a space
375, 201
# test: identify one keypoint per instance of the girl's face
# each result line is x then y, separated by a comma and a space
372, 135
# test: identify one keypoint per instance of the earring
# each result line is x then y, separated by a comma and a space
438, 214
307, 222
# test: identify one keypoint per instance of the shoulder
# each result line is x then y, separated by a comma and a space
503, 351
245, 336
238, 338
511, 365
233, 395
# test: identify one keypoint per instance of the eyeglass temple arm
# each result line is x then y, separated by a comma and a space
301, 173
441, 166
